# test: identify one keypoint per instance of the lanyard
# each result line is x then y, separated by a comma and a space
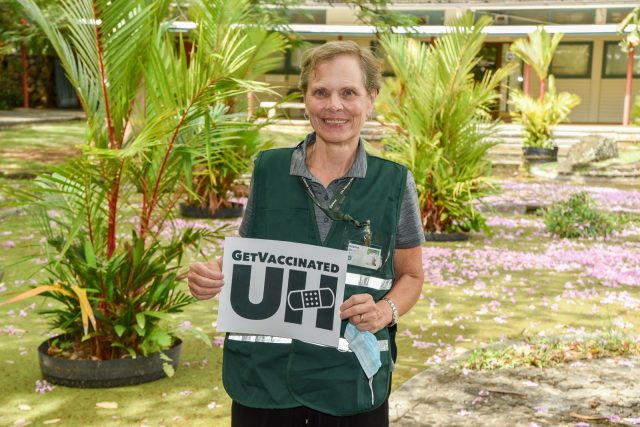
335, 214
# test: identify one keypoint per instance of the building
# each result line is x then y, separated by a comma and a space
588, 61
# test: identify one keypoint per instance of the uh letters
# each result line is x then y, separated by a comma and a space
298, 299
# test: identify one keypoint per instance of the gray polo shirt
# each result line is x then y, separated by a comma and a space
409, 232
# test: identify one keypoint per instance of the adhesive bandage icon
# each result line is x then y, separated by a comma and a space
318, 298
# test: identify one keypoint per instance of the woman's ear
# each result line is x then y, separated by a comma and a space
373, 94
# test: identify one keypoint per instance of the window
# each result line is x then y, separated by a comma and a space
573, 17
426, 17
295, 54
615, 62
540, 16
378, 51
615, 15
572, 60
292, 59
307, 16
282, 63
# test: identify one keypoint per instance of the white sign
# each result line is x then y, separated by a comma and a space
283, 289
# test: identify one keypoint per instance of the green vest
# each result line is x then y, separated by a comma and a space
275, 373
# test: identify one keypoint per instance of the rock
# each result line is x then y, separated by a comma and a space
597, 390
591, 148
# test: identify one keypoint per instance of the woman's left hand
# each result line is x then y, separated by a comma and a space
365, 313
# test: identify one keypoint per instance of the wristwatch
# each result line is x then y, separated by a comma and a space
394, 311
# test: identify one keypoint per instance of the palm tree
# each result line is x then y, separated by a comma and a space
538, 51
230, 139
145, 97
442, 122
539, 116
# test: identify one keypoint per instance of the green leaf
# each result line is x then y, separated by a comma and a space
168, 369
140, 319
140, 331
201, 335
120, 329
89, 254
163, 338
157, 314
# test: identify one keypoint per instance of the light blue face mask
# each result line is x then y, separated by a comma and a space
365, 346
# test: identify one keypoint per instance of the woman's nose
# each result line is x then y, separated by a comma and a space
335, 103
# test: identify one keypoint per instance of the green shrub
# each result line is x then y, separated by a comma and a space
578, 217
10, 95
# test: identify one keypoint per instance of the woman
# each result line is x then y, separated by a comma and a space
328, 191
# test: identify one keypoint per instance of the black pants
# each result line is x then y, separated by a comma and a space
243, 416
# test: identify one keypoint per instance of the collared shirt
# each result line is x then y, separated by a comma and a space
409, 233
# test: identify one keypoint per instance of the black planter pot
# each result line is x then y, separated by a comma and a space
536, 155
190, 211
105, 373
446, 237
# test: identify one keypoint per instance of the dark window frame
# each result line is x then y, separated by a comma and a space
289, 68
604, 63
589, 71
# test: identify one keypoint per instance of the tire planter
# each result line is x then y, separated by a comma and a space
446, 237
535, 155
104, 373
190, 211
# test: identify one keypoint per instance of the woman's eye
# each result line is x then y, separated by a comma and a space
321, 92
348, 92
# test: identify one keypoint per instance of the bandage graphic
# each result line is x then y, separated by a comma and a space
319, 298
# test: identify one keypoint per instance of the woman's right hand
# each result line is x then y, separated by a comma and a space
205, 279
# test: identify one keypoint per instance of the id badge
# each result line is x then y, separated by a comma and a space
364, 256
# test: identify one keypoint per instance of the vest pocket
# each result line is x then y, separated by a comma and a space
254, 374
332, 381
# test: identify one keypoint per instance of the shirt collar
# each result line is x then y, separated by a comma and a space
299, 166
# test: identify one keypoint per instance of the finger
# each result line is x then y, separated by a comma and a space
355, 300
204, 292
357, 309
214, 265
202, 287
198, 281
207, 270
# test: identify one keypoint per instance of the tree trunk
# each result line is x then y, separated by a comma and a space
527, 78
25, 71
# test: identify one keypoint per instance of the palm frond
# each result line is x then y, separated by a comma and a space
443, 117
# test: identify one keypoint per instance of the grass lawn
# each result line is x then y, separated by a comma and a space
32, 148
518, 281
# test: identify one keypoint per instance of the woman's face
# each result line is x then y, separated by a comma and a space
337, 101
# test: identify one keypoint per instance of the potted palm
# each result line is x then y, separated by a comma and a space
211, 170
538, 116
113, 257
229, 140
440, 117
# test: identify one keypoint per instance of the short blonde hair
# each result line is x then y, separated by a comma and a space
369, 64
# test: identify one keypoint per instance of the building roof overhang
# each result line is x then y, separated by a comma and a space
490, 4
438, 30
